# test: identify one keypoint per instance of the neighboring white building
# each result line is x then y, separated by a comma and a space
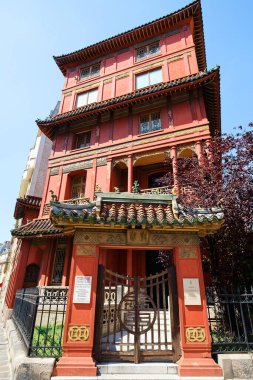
4, 258
32, 182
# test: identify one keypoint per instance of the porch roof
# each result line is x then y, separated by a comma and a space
131, 210
28, 201
38, 227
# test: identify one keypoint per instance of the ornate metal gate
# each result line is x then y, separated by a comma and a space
136, 318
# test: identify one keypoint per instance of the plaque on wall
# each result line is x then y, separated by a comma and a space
82, 289
191, 291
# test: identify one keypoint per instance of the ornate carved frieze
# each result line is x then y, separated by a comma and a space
78, 333
77, 166
195, 334
54, 171
101, 161
113, 237
140, 141
85, 250
136, 237
136, 157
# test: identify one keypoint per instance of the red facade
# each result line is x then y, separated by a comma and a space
127, 104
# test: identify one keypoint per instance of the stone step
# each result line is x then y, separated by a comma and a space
142, 368
120, 377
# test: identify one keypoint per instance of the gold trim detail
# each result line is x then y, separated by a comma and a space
135, 237
78, 333
195, 334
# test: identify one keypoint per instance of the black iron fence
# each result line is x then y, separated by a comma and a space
39, 315
230, 315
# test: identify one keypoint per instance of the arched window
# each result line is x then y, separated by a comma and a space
31, 276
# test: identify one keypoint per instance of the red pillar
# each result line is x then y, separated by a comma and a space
199, 151
108, 175
173, 156
18, 275
78, 336
130, 173
195, 339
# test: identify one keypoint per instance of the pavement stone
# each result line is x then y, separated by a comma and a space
5, 368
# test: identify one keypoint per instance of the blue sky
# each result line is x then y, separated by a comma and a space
33, 31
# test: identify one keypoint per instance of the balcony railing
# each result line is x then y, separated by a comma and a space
39, 315
158, 190
77, 201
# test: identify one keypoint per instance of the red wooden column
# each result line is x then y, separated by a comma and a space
129, 173
195, 338
199, 151
173, 156
18, 274
78, 336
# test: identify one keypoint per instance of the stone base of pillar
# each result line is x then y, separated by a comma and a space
197, 367
75, 366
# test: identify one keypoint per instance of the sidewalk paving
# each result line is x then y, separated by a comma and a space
5, 368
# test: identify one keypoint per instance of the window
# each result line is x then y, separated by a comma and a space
89, 71
78, 186
86, 98
149, 123
83, 140
148, 78
146, 51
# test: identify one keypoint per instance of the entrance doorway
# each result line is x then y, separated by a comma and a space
136, 317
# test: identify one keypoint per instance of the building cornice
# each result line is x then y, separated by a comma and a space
139, 34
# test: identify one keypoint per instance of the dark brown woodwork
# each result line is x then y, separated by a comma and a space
134, 316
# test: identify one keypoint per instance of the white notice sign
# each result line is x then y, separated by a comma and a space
191, 291
82, 289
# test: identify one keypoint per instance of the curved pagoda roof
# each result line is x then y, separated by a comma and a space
139, 34
209, 80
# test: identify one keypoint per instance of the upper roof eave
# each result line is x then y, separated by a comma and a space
140, 33
203, 77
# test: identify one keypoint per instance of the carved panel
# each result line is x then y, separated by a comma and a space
77, 166
101, 161
138, 237
173, 240
114, 238
85, 250
188, 252
195, 334
54, 171
78, 333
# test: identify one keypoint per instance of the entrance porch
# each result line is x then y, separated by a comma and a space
124, 313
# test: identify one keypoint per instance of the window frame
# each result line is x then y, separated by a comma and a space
77, 136
82, 184
90, 67
85, 92
148, 48
147, 72
150, 124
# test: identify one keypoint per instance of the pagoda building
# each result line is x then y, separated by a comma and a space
128, 103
